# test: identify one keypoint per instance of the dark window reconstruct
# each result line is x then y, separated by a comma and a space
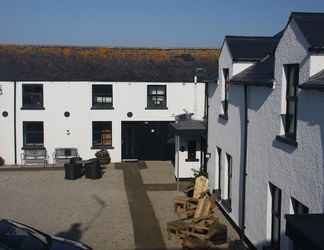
219, 152
156, 96
290, 121
102, 96
192, 151
229, 176
32, 96
226, 87
101, 134
33, 133
275, 216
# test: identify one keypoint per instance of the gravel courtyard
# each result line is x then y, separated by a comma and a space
126, 209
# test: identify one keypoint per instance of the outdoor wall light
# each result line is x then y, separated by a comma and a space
4, 113
1, 92
208, 155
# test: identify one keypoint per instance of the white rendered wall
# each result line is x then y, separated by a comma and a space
297, 171
316, 63
6, 123
186, 167
226, 135
76, 98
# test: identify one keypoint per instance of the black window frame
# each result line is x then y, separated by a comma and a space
98, 90
219, 154
26, 134
192, 151
275, 216
224, 115
150, 96
229, 160
290, 118
105, 125
30, 92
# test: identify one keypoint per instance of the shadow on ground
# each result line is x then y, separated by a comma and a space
77, 229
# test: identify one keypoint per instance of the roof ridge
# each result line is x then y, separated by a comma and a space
103, 47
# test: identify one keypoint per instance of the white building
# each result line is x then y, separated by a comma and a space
273, 133
63, 98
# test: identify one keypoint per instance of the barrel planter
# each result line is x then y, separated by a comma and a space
73, 171
93, 169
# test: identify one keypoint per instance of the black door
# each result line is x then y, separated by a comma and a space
146, 141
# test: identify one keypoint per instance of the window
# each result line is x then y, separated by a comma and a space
290, 118
219, 166
156, 97
33, 133
192, 151
101, 134
225, 100
298, 207
229, 176
218, 173
228, 184
275, 216
32, 96
102, 97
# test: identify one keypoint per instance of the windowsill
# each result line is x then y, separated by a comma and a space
227, 205
192, 160
33, 147
102, 107
156, 108
102, 147
223, 116
287, 140
32, 108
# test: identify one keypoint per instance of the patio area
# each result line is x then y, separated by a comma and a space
127, 208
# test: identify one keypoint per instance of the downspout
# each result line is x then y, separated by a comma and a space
246, 122
15, 121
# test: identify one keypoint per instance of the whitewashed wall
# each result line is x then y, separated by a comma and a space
185, 169
6, 123
226, 135
297, 171
76, 97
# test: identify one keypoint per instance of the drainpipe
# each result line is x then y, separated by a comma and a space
15, 121
246, 122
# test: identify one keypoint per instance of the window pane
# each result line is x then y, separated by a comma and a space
33, 133
192, 150
102, 133
33, 95
156, 96
102, 94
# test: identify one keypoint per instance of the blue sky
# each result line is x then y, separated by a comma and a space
143, 23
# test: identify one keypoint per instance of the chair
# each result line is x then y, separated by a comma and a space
183, 203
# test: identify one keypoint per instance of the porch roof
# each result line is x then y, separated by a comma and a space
189, 125
306, 230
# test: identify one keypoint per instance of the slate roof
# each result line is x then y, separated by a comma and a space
250, 48
189, 125
316, 82
68, 63
311, 25
259, 74
262, 72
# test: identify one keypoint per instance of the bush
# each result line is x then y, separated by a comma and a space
103, 156
2, 161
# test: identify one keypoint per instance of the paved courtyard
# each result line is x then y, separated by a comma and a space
126, 209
